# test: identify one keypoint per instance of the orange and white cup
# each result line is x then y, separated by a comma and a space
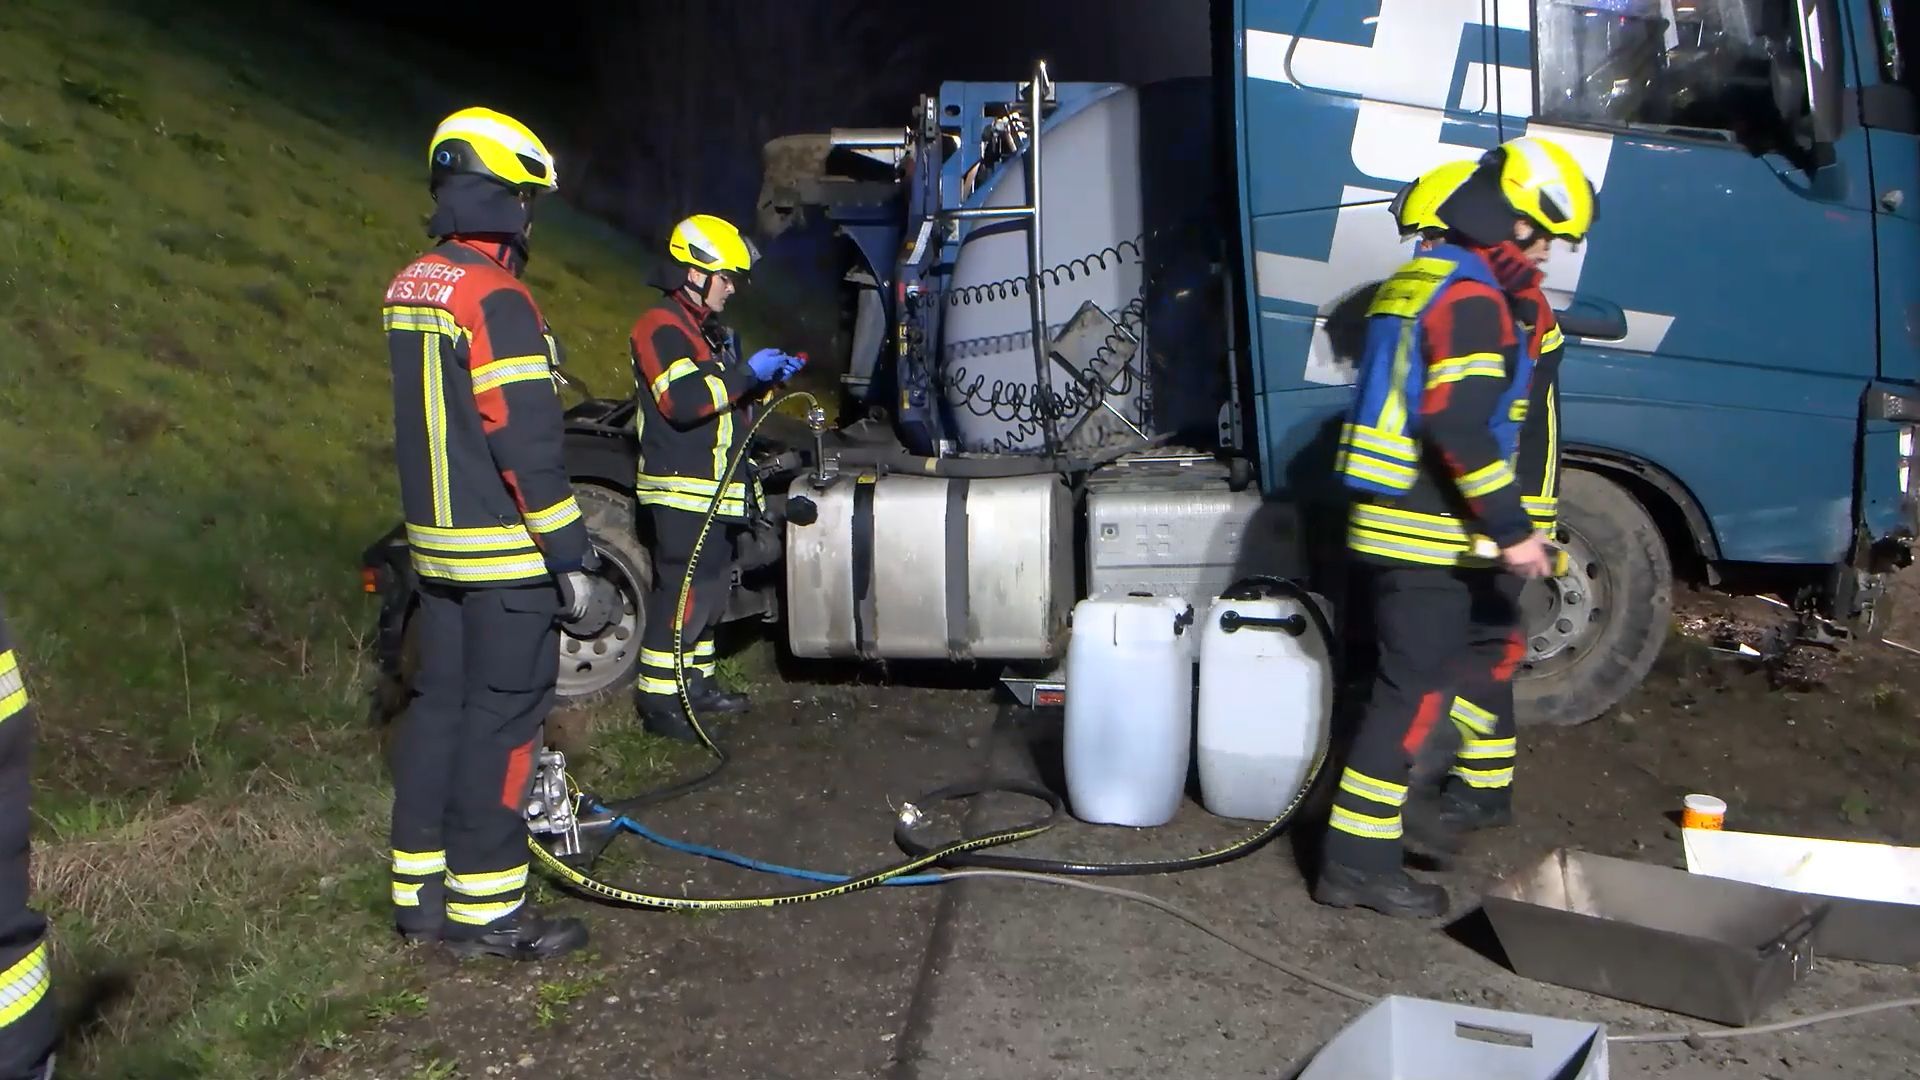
1703, 812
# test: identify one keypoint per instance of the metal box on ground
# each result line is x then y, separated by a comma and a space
1873, 890
1719, 950
1405, 1038
913, 567
1171, 525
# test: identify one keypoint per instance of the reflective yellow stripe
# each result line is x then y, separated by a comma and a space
1410, 522
1442, 372
1385, 473
513, 369
1517, 412
489, 884
1551, 484
1393, 411
1365, 825
675, 370
1380, 791
691, 493
1485, 481
658, 687
1552, 339
723, 428
433, 396
558, 516
704, 648
709, 669
1485, 778
1473, 716
457, 569
1387, 443
13, 685
418, 863
24, 984
658, 658
482, 914
406, 895
483, 538
1405, 293
420, 320
1489, 749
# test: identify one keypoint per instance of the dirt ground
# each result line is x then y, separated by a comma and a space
1010, 980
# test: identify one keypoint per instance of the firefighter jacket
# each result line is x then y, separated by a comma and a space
691, 414
478, 428
1431, 441
1539, 464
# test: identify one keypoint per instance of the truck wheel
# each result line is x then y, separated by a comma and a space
1595, 633
599, 666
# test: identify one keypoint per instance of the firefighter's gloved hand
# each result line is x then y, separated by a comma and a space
767, 364
791, 367
576, 591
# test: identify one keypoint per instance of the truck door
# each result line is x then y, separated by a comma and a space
1736, 236
1341, 105
1889, 34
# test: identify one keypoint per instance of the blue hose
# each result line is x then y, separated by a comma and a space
638, 829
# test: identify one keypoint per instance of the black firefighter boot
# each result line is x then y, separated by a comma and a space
1464, 808
1390, 892
528, 936
708, 697
661, 714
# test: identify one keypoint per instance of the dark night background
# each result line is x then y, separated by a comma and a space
660, 108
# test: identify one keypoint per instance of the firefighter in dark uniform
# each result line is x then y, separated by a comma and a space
496, 540
28, 1024
696, 398
1478, 793
1430, 454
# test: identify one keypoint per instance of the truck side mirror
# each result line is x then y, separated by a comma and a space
1594, 320
1820, 60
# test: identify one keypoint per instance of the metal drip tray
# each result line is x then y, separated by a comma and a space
1706, 947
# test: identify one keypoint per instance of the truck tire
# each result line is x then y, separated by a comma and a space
593, 669
1593, 635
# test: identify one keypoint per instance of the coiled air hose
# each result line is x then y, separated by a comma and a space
921, 855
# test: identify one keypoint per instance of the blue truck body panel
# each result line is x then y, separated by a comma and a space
1758, 307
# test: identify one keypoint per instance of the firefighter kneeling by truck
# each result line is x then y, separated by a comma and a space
1444, 529
695, 404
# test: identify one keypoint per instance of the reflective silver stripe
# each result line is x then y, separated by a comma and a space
24, 984
1363, 825
558, 516
1473, 716
481, 914
1488, 749
1374, 790
1485, 778
489, 884
406, 895
417, 863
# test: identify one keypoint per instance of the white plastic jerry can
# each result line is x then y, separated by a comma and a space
1266, 703
1129, 723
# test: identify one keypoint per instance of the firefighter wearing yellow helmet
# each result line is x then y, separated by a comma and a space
695, 396
496, 540
1452, 422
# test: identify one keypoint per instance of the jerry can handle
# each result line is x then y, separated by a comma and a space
1292, 625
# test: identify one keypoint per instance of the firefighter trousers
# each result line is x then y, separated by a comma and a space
463, 755
674, 533
28, 1024
1442, 701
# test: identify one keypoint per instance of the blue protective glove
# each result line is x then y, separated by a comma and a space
791, 367
767, 364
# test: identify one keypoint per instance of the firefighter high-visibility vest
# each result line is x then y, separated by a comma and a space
1406, 507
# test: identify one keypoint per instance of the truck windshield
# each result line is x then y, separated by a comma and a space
1705, 67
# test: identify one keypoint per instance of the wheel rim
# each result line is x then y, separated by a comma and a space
1563, 616
591, 664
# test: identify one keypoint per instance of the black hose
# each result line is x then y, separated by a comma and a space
903, 833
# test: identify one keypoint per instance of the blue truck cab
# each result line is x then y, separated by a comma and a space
1102, 336
1739, 390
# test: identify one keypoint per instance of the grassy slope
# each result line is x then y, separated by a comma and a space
196, 221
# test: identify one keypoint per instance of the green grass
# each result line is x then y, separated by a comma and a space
197, 218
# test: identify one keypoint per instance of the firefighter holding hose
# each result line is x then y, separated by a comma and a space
695, 395
1439, 526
